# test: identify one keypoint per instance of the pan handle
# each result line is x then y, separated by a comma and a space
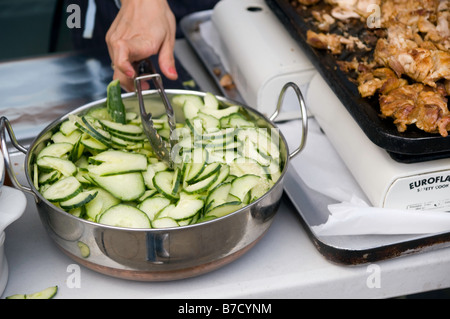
304, 115
5, 126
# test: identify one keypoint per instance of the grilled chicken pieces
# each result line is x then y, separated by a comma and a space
410, 70
418, 104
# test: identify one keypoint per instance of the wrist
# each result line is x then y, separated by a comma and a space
124, 3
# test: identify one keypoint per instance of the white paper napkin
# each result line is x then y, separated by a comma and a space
321, 169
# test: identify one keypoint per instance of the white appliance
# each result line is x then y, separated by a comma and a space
258, 52
386, 182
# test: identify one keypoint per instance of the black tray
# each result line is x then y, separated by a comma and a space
413, 145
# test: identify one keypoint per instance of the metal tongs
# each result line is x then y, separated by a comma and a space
145, 70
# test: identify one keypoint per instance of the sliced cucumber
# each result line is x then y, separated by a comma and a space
71, 138
129, 139
216, 140
181, 100
79, 200
202, 185
63, 190
47, 293
153, 205
148, 193
224, 209
235, 120
207, 121
48, 177
85, 251
84, 178
242, 165
261, 188
93, 144
87, 126
191, 109
219, 113
79, 212
82, 163
99, 113
274, 170
67, 128
208, 170
221, 177
165, 222
250, 150
210, 101
115, 106
77, 151
196, 126
197, 163
266, 144
56, 150
125, 216
186, 208
218, 195
125, 129
164, 212
152, 169
242, 185
127, 187
167, 183
100, 203
65, 166
117, 162
95, 130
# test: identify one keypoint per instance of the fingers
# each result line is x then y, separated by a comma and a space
123, 70
124, 54
142, 29
167, 61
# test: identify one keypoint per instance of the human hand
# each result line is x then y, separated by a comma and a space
142, 28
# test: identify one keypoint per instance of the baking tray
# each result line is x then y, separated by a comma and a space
413, 145
352, 250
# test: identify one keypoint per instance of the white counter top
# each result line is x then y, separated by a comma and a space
284, 264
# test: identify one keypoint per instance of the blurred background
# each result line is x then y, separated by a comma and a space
32, 28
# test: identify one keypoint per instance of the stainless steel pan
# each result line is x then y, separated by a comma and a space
157, 254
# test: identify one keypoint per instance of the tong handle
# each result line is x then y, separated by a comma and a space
146, 70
